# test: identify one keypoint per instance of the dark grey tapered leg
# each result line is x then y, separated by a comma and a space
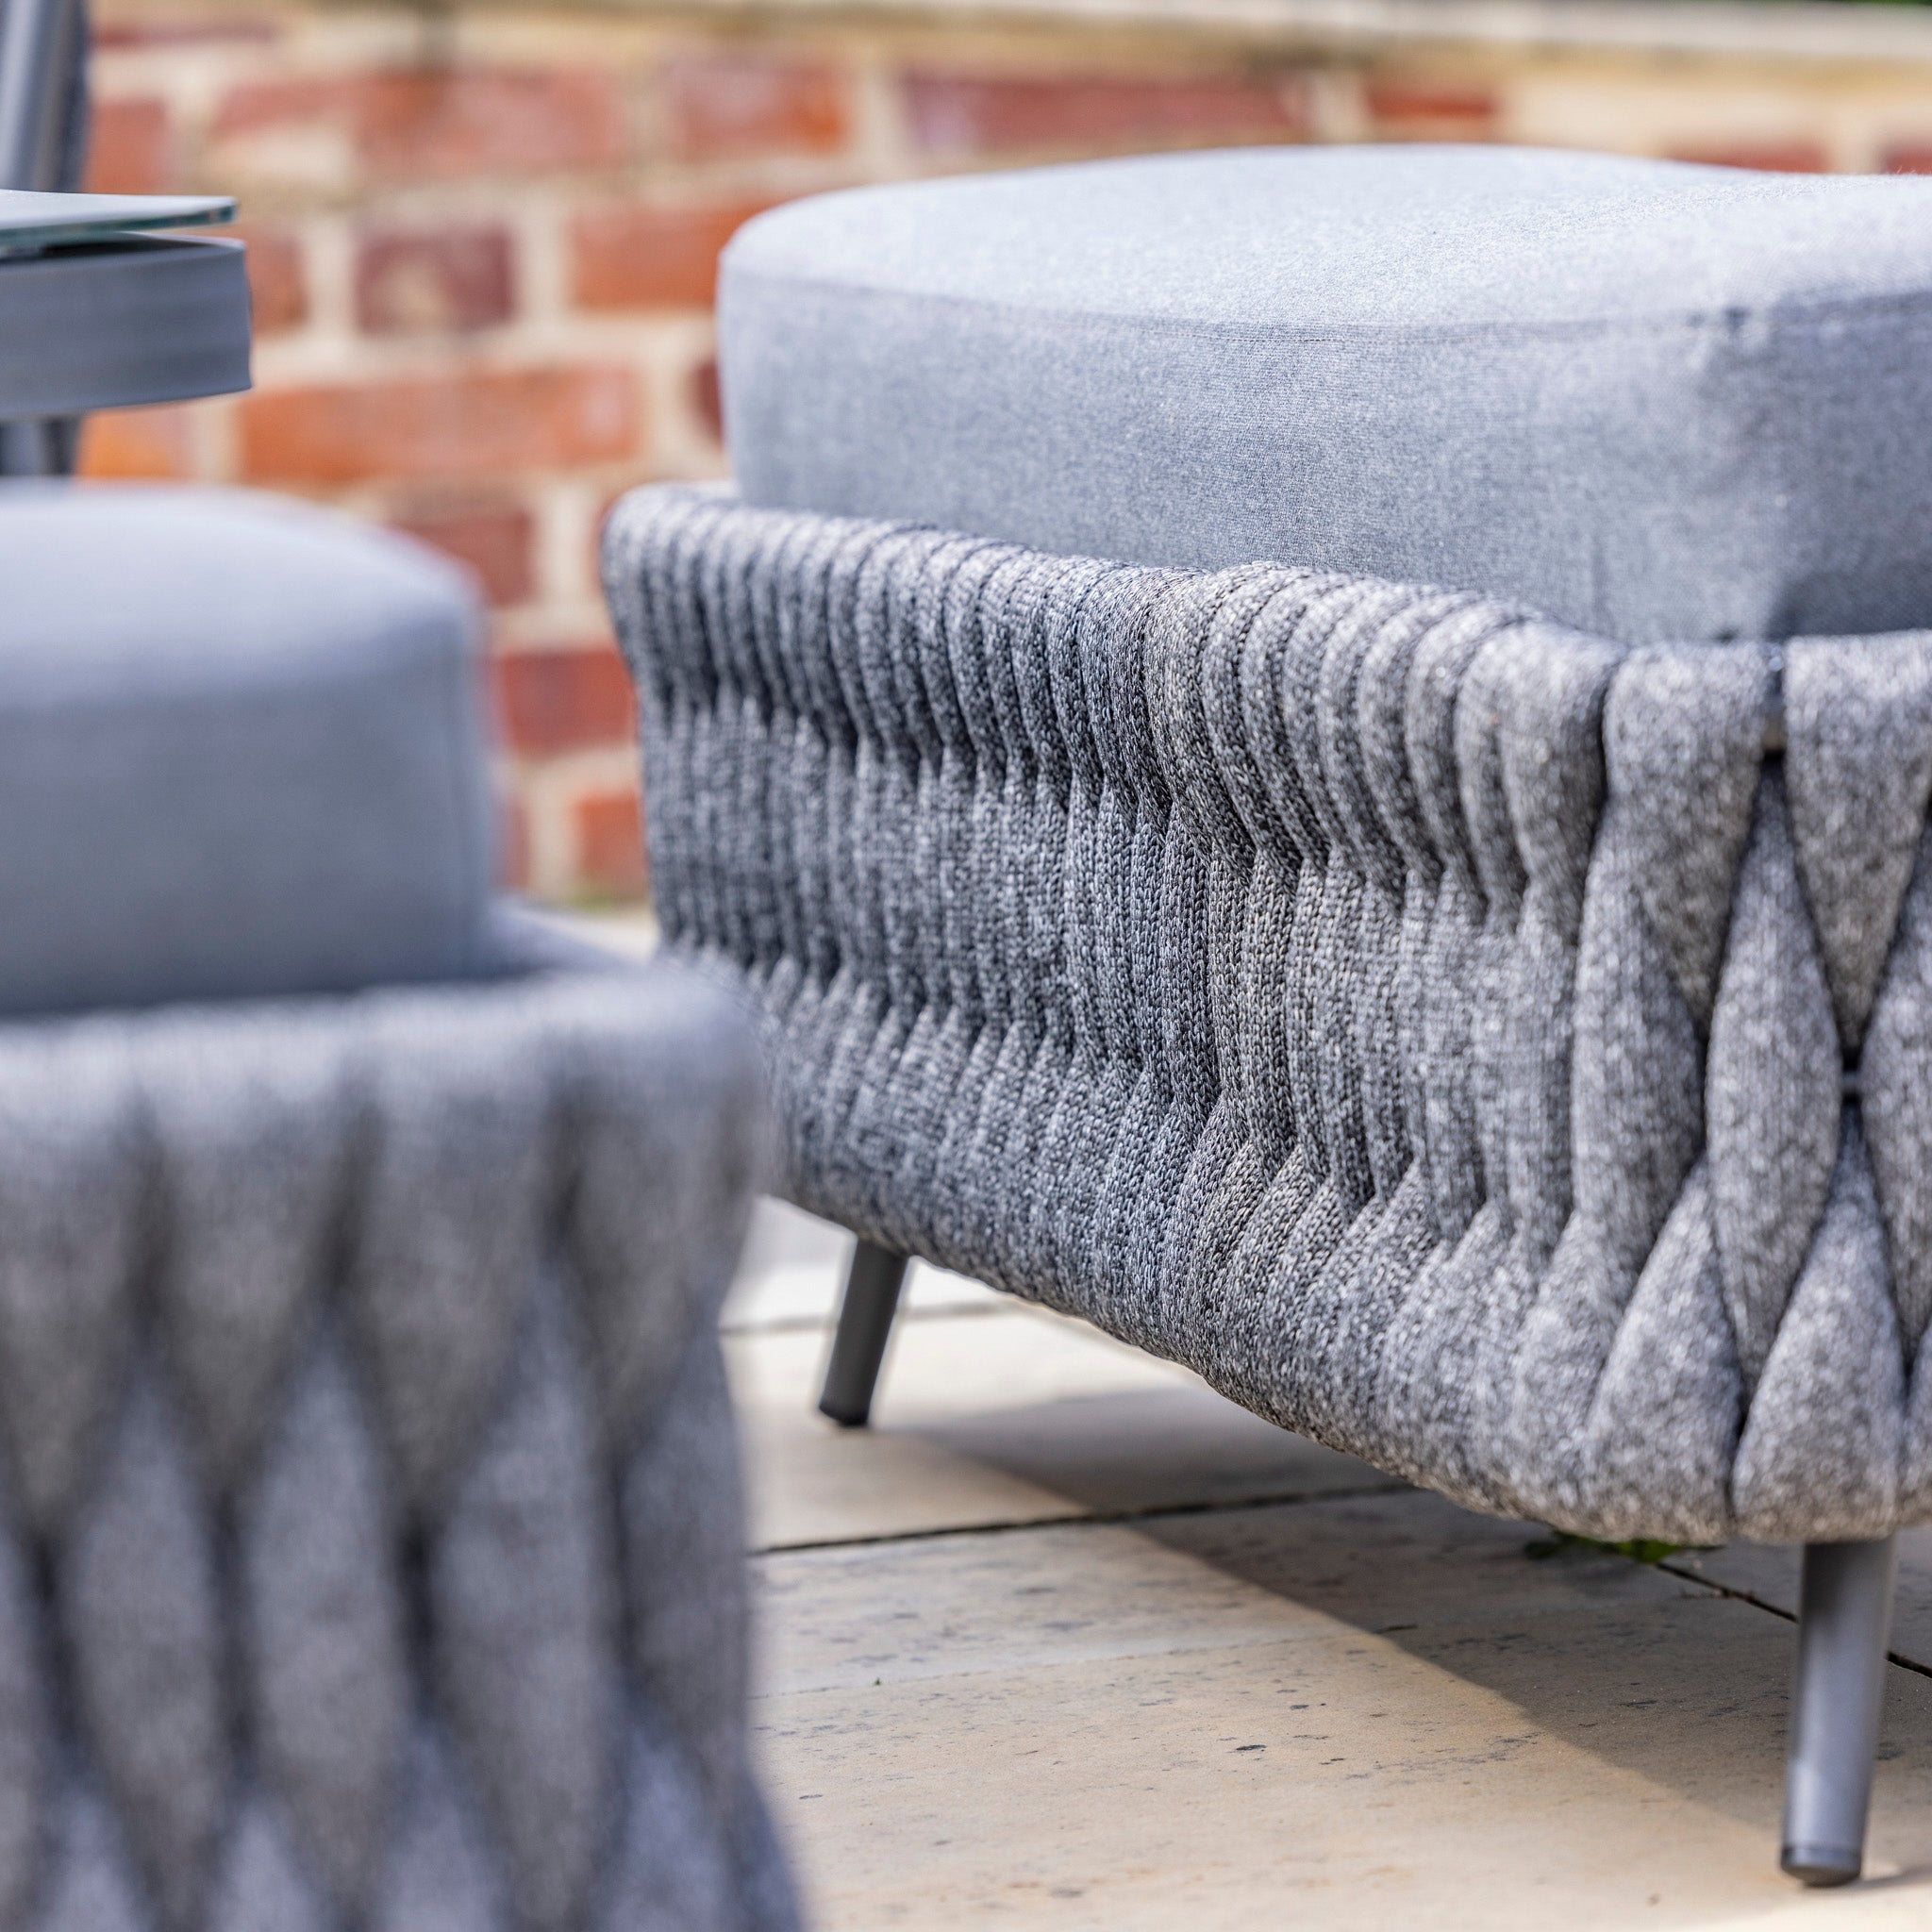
28, 449
1844, 1614
865, 1325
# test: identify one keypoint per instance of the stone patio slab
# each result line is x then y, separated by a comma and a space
1068, 1640
1073, 1592
1000, 1417
1770, 1574
1345, 1714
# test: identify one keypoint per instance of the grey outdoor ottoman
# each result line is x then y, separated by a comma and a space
371, 1549
1498, 1045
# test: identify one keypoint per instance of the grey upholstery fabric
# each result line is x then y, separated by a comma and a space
1654, 400
370, 1548
240, 752
1429, 1022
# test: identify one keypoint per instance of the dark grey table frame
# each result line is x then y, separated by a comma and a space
94, 315
103, 325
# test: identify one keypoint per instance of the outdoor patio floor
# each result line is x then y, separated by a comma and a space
1067, 1639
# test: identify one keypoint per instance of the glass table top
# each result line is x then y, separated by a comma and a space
29, 220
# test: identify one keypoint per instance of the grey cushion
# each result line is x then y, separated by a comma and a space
1653, 399
239, 752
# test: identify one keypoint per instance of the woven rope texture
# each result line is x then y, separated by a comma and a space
1497, 1053
370, 1554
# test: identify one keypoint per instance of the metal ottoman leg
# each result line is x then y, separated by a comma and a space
865, 1325
1845, 1611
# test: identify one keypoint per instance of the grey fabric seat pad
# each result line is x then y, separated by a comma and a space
1654, 400
240, 752
1431, 1024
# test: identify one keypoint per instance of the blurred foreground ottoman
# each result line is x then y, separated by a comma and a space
1322, 756
369, 1545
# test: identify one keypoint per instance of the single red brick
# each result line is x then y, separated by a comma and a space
277, 279
1399, 101
647, 256
130, 148
721, 105
968, 113
611, 841
563, 700
446, 124
465, 424
439, 280
493, 540
136, 444
706, 401
1774, 156
513, 846
1909, 157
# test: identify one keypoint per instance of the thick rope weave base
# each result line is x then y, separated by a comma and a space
1499, 1052
371, 1555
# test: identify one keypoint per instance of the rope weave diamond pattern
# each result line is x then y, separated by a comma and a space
1497, 1052
370, 1554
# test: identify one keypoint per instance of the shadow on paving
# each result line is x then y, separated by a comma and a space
1649, 1669
1140, 1450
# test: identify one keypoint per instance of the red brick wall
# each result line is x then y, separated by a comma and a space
483, 244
